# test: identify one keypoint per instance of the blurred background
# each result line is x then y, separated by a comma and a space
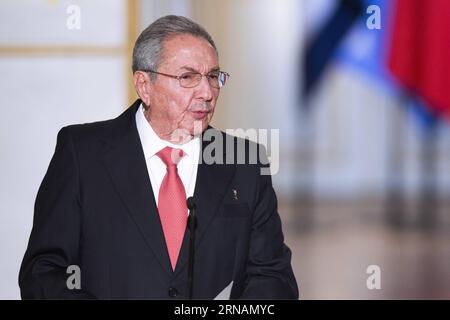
357, 89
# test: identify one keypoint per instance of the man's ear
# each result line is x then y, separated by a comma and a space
142, 85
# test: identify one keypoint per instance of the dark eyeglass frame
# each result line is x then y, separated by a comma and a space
216, 85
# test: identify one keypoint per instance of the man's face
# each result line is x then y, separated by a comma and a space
173, 107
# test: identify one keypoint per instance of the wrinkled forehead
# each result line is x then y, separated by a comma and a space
190, 51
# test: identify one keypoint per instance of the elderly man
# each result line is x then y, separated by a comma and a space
112, 205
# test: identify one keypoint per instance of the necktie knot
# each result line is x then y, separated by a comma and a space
170, 156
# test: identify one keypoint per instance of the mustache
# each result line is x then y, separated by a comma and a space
203, 107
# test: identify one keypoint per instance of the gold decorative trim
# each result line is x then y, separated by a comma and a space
132, 15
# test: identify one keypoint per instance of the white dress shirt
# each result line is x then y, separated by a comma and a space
152, 144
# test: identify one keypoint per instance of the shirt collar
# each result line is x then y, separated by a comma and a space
152, 143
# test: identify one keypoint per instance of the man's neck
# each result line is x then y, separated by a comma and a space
177, 136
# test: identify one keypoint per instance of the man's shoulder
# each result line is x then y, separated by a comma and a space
236, 147
101, 129
91, 129
232, 136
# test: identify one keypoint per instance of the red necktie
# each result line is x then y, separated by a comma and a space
172, 203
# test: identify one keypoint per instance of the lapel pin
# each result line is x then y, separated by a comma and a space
235, 194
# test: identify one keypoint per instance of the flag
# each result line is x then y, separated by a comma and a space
419, 56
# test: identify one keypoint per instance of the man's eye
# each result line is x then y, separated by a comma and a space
213, 75
188, 76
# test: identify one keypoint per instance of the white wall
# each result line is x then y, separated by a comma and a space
39, 94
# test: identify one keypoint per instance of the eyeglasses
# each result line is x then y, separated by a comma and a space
216, 79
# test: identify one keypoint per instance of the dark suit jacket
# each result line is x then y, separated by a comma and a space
95, 208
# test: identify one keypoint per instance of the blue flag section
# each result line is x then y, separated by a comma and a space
349, 39
366, 50
321, 49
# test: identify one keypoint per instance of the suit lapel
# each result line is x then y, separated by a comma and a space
126, 165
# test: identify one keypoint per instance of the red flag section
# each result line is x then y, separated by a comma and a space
420, 51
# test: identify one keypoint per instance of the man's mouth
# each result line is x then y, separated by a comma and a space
199, 114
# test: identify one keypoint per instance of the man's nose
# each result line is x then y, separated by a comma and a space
204, 89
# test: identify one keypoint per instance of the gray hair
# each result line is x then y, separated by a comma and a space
147, 52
